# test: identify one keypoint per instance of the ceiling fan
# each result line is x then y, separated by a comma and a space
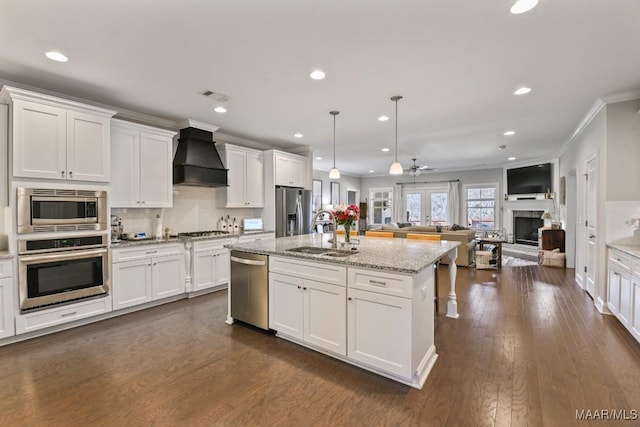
415, 170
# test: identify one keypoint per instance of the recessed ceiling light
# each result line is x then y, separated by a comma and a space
502, 147
383, 118
509, 133
220, 110
371, 171
522, 6
522, 90
318, 158
317, 75
298, 135
56, 56
385, 149
511, 158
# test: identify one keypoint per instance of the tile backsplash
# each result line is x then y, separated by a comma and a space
616, 214
194, 209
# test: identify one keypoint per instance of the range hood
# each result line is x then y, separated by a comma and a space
197, 161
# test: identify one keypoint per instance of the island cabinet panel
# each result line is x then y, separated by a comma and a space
286, 305
380, 282
210, 264
327, 273
379, 331
623, 289
635, 319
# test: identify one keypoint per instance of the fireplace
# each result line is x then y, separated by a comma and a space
525, 227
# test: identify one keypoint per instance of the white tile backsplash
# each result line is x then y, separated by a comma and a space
194, 209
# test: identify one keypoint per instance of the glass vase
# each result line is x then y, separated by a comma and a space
347, 233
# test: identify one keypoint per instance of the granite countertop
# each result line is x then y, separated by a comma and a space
627, 248
5, 255
395, 255
181, 239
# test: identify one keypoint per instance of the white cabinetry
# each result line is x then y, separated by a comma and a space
289, 169
635, 302
245, 176
7, 323
58, 139
149, 273
61, 315
141, 159
307, 302
210, 264
623, 293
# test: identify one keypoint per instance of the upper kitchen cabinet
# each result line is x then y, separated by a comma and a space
245, 176
289, 169
54, 138
141, 159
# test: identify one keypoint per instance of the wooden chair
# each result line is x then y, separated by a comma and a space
387, 234
432, 238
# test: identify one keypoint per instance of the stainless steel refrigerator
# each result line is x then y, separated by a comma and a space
294, 212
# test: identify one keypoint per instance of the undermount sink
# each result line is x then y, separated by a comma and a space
312, 250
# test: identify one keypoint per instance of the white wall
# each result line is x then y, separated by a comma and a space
345, 181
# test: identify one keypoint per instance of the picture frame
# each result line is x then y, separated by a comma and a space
316, 195
562, 192
335, 194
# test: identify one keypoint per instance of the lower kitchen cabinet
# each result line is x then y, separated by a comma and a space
147, 274
379, 331
7, 323
308, 310
623, 292
210, 264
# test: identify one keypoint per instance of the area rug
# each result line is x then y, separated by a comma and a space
509, 261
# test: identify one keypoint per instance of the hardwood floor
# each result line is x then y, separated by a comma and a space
529, 349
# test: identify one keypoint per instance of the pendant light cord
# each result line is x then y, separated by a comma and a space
396, 101
334, 114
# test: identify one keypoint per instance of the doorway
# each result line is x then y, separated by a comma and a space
426, 206
591, 198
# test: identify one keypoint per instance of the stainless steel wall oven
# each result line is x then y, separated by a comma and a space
58, 270
60, 210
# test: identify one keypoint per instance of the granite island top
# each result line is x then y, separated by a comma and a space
629, 249
5, 255
396, 255
181, 239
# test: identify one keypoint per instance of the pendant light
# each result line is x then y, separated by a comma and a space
396, 167
334, 173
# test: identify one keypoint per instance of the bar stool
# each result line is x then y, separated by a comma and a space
387, 234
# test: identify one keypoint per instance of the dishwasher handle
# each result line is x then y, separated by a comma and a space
247, 261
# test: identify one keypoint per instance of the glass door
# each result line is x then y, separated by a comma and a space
426, 207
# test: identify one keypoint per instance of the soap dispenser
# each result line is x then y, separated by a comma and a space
222, 224
236, 226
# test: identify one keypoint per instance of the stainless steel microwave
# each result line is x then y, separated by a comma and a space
52, 210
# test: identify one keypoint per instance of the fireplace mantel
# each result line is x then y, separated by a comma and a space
523, 205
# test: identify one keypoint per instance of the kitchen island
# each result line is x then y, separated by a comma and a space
372, 307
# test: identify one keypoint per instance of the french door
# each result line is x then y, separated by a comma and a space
426, 207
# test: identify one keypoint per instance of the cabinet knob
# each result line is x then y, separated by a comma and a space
304, 289
70, 174
350, 299
299, 287
62, 173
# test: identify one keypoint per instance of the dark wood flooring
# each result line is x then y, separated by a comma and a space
529, 349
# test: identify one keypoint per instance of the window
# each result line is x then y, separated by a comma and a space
381, 204
481, 205
426, 207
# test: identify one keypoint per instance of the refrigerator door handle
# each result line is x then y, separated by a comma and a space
299, 216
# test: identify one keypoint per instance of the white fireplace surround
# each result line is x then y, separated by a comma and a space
509, 206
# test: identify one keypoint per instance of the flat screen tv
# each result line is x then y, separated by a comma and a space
534, 179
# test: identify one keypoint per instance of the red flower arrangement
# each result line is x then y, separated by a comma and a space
346, 216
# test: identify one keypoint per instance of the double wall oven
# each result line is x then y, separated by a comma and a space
61, 266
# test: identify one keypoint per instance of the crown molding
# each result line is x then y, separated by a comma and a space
598, 105
146, 119
11, 93
629, 95
190, 123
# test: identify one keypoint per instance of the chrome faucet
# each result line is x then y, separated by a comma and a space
334, 245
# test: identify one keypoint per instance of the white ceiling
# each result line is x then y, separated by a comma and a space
456, 62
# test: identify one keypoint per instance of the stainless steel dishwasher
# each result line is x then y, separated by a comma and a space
250, 288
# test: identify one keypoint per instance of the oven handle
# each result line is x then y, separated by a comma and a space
62, 255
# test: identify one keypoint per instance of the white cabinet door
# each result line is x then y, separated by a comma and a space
624, 306
156, 178
614, 289
131, 283
379, 331
235, 162
296, 172
7, 323
88, 157
286, 305
204, 269
168, 276
39, 140
125, 161
254, 180
282, 170
325, 316
222, 267
635, 308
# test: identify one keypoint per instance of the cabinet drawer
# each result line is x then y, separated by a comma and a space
204, 245
57, 316
5, 269
620, 259
146, 251
380, 282
327, 273
256, 237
